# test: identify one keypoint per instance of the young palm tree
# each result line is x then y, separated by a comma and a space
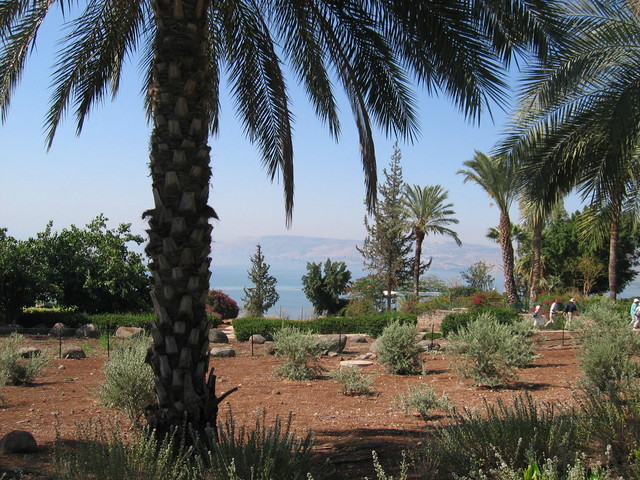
578, 123
427, 213
497, 177
187, 46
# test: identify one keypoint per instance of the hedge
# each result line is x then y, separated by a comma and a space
454, 322
367, 324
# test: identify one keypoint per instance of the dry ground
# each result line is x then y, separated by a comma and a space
347, 428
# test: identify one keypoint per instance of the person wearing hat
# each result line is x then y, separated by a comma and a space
632, 311
569, 310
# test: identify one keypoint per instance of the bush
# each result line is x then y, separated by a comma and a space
423, 399
298, 349
454, 322
14, 369
114, 320
32, 317
489, 351
398, 350
128, 380
222, 304
353, 381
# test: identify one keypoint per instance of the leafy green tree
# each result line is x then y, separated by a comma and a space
427, 213
387, 246
433, 283
263, 295
478, 276
324, 290
366, 296
458, 47
497, 177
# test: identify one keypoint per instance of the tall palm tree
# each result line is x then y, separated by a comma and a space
187, 46
427, 213
579, 116
496, 177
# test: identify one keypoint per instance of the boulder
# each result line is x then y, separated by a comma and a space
257, 339
334, 343
88, 331
218, 336
355, 363
28, 352
60, 330
73, 352
222, 352
358, 339
129, 332
18, 441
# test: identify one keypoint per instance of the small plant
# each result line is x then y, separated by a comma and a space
423, 399
489, 352
398, 350
298, 351
381, 474
129, 381
353, 381
16, 370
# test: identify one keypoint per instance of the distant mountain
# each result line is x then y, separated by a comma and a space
284, 251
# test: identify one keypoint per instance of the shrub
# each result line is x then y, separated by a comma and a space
14, 369
398, 350
489, 351
128, 380
490, 298
353, 381
423, 399
454, 322
222, 304
114, 320
298, 349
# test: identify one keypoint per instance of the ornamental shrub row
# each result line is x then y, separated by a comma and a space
367, 324
454, 322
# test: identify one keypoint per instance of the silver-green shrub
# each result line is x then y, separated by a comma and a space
489, 352
298, 351
423, 399
353, 381
16, 370
128, 381
398, 350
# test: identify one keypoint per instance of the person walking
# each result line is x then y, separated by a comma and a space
538, 319
632, 311
569, 309
555, 306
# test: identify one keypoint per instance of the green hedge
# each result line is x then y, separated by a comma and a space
50, 316
453, 322
368, 324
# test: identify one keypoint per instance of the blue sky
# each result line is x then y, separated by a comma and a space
104, 170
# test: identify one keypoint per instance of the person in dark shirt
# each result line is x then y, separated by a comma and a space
569, 310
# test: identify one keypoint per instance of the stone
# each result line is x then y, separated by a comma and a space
88, 331
428, 345
28, 352
73, 352
269, 348
355, 363
129, 332
367, 356
60, 330
257, 339
358, 339
222, 352
18, 441
334, 343
218, 336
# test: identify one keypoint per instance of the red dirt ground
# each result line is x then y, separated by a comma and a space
347, 428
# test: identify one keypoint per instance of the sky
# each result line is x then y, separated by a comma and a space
105, 169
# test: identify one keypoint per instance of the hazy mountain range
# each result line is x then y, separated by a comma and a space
284, 251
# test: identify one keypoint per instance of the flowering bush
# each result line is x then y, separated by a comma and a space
490, 298
222, 304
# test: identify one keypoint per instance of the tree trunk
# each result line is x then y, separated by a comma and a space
613, 256
416, 262
179, 229
536, 267
508, 260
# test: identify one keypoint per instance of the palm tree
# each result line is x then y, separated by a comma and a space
497, 177
578, 122
427, 213
187, 46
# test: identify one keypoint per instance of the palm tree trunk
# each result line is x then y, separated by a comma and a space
416, 262
508, 260
536, 267
613, 255
179, 229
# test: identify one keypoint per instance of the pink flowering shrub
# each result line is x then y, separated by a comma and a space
222, 304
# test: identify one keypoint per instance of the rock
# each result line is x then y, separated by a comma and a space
367, 356
358, 339
218, 336
18, 441
333, 354
60, 330
61, 367
428, 345
73, 352
28, 352
129, 332
355, 363
88, 331
334, 343
269, 349
257, 339
222, 352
